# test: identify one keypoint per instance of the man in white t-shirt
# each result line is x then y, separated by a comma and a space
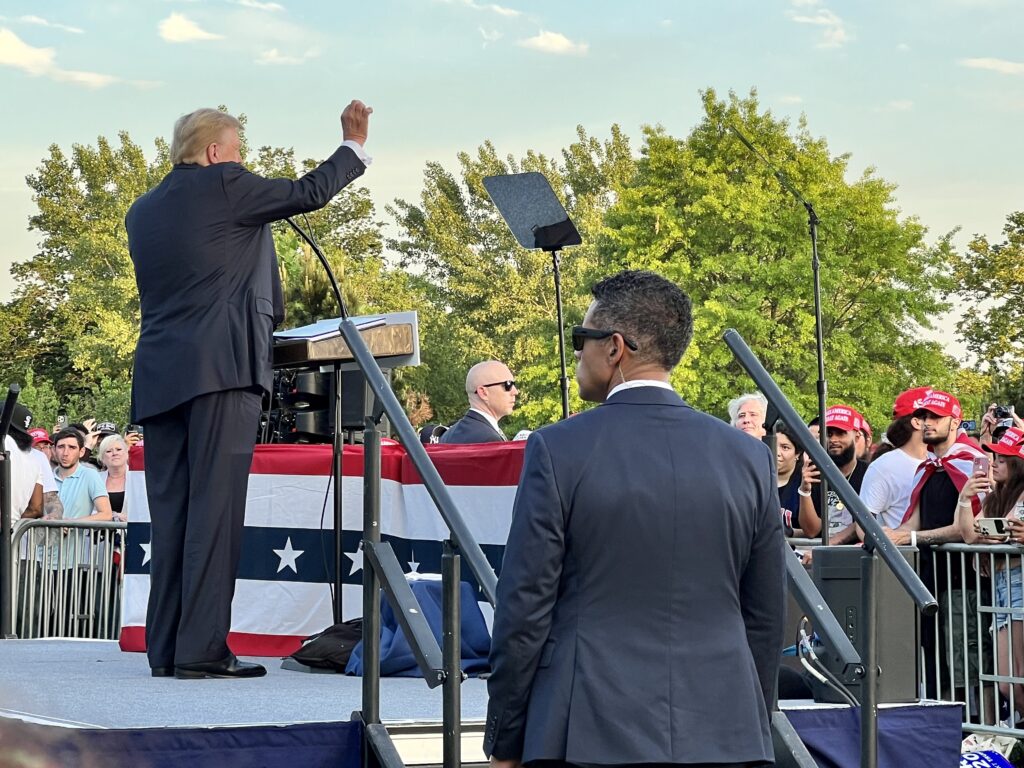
26, 475
889, 480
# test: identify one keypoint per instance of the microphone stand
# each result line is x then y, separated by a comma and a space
812, 228
338, 441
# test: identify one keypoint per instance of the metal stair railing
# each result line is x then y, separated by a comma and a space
440, 664
876, 545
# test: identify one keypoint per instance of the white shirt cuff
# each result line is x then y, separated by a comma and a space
356, 147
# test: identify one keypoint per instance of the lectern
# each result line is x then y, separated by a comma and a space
393, 343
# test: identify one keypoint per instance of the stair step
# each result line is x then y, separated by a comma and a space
421, 744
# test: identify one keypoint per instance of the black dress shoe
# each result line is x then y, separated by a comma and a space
162, 671
229, 667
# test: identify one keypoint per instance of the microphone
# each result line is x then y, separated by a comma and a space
326, 265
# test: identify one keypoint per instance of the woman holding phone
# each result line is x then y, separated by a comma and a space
1003, 487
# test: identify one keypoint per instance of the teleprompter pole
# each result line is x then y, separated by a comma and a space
563, 379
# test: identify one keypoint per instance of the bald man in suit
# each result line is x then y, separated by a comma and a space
492, 393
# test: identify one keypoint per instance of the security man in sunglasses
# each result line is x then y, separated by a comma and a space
641, 599
492, 396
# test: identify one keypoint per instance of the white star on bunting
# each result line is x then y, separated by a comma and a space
357, 561
145, 548
288, 556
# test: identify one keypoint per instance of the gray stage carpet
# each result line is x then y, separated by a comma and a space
91, 683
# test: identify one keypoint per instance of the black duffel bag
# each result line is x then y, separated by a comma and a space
331, 648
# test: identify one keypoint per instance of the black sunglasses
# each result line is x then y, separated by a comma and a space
506, 384
581, 334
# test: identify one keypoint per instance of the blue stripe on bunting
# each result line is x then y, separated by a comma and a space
315, 564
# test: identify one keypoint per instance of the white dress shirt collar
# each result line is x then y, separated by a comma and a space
490, 420
640, 383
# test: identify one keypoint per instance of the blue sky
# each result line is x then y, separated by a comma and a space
930, 93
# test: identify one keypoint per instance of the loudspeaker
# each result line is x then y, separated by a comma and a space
836, 572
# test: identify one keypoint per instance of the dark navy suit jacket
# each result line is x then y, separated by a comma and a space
208, 279
471, 428
641, 598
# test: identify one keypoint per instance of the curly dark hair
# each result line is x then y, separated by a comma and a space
648, 309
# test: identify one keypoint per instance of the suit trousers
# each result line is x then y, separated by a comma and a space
198, 456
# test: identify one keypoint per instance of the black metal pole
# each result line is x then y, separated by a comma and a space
451, 652
6, 535
337, 478
563, 380
6, 531
869, 657
371, 583
461, 535
812, 224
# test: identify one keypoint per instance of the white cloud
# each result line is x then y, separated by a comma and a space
39, 21
834, 34
902, 47
501, 10
274, 57
42, 62
665, 23
554, 42
490, 35
178, 28
260, 6
1002, 66
898, 105
791, 99
804, 3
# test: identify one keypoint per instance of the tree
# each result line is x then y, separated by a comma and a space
990, 280
706, 213
490, 298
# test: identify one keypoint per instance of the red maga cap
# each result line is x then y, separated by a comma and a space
942, 404
909, 401
843, 417
1010, 444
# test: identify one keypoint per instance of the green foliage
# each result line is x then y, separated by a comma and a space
706, 213
698, 209
990, 280
490, 298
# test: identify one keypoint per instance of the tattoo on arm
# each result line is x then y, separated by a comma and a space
52, 506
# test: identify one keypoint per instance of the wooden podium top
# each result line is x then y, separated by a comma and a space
384, 341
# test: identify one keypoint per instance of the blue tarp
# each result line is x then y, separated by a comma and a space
396, 659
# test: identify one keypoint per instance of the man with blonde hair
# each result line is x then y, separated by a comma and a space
210, 295
492, 392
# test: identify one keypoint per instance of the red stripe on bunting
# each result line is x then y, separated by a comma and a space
133, 640
484, 464
490, 464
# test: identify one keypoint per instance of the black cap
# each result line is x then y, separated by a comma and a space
21, 421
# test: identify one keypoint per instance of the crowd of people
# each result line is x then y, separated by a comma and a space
926, 482
78, 471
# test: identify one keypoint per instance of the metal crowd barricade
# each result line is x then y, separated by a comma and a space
973, 660
68, 577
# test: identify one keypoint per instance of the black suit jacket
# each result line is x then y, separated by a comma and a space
208, 280
641, 598
471, 428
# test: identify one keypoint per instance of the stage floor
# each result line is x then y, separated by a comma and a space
93, 684
103, 699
